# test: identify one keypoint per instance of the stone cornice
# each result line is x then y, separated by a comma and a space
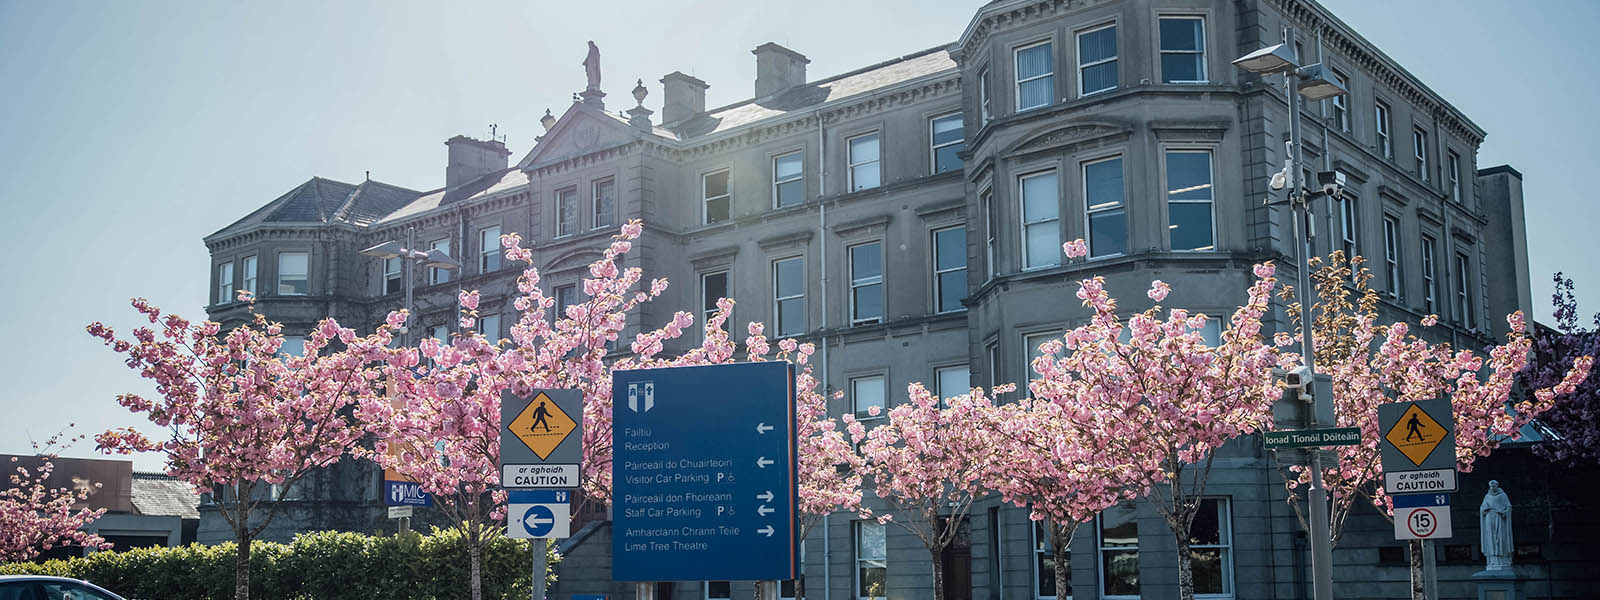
1003, 16
874, 225
1339, 37
716, 257
314, 232
785, 241
1068, 136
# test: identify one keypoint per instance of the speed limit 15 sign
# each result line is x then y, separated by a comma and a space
1422, 516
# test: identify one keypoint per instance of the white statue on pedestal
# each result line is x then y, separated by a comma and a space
1494, 526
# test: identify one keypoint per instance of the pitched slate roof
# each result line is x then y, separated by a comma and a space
906, 68
161, 495
321, 200
490, 183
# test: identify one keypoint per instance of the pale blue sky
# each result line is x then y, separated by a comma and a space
130, 130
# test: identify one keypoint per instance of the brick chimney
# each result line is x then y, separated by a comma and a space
778, 69
682, 97
470, 159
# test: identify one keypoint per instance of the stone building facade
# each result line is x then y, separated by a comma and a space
907, 217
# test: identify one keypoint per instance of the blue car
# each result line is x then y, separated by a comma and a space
39, 587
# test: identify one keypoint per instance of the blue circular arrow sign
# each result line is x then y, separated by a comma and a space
538, 520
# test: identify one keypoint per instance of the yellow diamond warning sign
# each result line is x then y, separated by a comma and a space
542, 426
1416, 434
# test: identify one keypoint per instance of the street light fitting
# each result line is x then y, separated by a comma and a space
1271, 59
1318, 83
438, 259
389, 249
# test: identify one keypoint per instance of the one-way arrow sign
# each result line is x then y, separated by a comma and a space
765, 510
768, 530
763, 462
765, 496
763, 428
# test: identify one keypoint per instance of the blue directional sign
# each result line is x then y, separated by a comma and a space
703, 473
538, 513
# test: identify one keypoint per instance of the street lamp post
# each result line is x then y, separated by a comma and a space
1314, 83
410, 258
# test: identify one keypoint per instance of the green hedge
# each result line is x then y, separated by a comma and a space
315, 566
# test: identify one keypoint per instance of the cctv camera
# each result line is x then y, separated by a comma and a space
1279, 181
1297, 377
1332, 183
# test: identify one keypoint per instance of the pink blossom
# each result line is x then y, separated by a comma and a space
469, 300
1158, 290
1075, 249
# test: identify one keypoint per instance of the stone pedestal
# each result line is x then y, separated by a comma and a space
1499, 584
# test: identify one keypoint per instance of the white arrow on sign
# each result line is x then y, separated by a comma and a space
767, 530
765, 510
763, 462
765, 496
763, 428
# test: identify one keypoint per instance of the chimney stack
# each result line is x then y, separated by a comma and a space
470, 159
778, 69
683, 96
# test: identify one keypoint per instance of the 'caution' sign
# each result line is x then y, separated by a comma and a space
1417, 435
542, 426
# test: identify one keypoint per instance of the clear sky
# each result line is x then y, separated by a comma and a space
130, 130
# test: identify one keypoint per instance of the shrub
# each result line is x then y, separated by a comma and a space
315, 566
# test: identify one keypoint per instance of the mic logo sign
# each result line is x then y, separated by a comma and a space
405, 493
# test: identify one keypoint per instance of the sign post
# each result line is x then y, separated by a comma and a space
705, 480
541, 439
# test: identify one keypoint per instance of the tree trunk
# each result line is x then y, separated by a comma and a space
1417, 591
1185, 568
758, 593
938, 572
800, 585
241, 566
1060, 553
475, 552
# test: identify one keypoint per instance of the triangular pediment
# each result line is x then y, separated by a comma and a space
579, 131
577, 259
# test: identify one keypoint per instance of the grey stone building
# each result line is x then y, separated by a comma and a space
907, 217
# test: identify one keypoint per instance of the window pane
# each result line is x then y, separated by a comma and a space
1102, 182
791, 193
718, 589
716, 184
1189, 176
1097, 45
866, 393
1108, 233
947, 129
791, 277
954, 381
605, 203
1119, 543
866, 262
868, 302
788, 166
1180, 67
1044, 244
947, 158
951, 251
1039, 201
864, 176
488, 246
1099, 77
567, 212
952, 290
1191, 226
792, 317
717, 210
716, 288
292, 273
1035, 61
1182, 34
1207, 564
1035, 93
1206, 529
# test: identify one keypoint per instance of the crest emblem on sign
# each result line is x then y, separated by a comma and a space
542, 426
642, 393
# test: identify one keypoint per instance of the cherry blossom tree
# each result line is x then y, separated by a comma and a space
36, 516
245, 422
1040, 464
1374, 364
1156, 406
1576, 418
928, 463
442, 425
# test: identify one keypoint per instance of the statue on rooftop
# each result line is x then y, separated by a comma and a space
591, 67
